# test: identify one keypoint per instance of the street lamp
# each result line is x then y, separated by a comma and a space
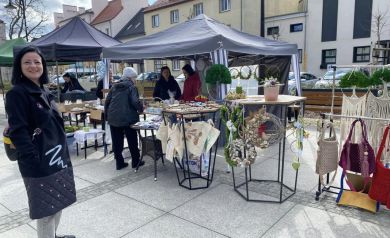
22, 5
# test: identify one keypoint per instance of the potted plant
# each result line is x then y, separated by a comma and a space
218, 74
271, 89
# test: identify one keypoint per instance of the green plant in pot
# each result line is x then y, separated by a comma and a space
354, 79
218, 74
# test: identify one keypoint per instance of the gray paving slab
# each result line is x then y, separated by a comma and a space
165, 193
268, 169
170, 226
24, 231
106, 216
224, 211
12, 191
302, 221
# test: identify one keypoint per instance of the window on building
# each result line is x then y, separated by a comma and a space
155, 21
328, 57
273, 30
174, 16
300, 55
329, 20
362, 19
157, 65
296, 27
224, 5
175, 65
361, 54
198, 9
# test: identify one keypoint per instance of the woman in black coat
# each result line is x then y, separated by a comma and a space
166, 85
37, 131
71, 83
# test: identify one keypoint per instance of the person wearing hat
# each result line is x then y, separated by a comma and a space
122, 109
71, 83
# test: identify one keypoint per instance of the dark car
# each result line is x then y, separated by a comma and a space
151, 76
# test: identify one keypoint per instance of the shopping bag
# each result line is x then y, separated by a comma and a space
380, 188
327, 154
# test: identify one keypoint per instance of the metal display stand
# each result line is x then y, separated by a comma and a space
283, 101
185, 177
330, 189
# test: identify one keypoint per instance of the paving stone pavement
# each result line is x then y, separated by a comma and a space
127, 204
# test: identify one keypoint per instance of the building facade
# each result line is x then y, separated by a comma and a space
334, 32
242, 15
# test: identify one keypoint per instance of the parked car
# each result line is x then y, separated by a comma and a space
327, 80
53, 79
148, 76
180, 80
308, 80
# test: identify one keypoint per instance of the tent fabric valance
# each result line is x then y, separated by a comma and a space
75, 41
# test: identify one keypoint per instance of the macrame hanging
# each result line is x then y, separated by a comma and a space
352, 106
377, 107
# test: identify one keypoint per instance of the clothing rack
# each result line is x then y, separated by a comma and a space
321, 188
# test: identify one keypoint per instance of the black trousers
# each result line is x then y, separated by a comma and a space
117, 136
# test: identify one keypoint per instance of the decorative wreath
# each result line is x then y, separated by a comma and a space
244, 75
233, 119
237, 155
235, 73
263, 129
256, 73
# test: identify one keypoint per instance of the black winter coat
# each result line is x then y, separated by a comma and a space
162, 87
122, 106
37, 131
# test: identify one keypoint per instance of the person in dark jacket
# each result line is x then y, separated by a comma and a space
122, 108
166, 85
37, 131
99, 90
192, 84
71, 83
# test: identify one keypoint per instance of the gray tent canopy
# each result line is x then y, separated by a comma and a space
75, 41
204, 36
200, 35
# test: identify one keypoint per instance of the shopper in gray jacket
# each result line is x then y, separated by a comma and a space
122, 109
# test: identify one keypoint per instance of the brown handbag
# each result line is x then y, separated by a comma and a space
327, 154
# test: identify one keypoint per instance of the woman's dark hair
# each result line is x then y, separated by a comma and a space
17, 74
161, 71
188, 69
70, 75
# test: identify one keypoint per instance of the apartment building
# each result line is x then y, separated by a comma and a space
68, 12
242, 15
328, 32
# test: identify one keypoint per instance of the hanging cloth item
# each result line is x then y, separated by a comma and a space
380, 188
352, 106
358, 157
327, 154
377, 107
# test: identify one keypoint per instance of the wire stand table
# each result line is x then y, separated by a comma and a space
185, 177
283, 101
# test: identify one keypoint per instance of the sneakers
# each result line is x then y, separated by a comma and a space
141, 163
121, 166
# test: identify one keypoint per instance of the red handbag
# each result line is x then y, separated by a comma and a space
380, 187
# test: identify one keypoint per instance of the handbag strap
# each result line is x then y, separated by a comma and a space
364, 130
322, 134
382, 146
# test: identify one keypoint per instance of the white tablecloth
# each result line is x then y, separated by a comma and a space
93, 134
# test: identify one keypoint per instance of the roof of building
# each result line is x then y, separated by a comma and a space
112, 9
163, 4
134, 27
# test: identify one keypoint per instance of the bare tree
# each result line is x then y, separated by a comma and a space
33, 25
379, 23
